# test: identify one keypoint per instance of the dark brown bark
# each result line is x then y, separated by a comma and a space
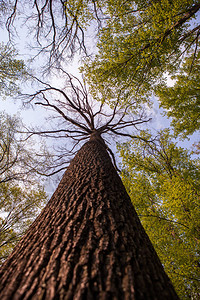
88, 242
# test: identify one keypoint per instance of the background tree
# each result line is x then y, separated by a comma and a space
19, 206
141, 42
163, 182
11, 70
21, 192
19, 160
181, 101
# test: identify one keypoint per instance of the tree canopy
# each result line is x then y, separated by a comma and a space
182, 101
139, 43
163, 182
142, 40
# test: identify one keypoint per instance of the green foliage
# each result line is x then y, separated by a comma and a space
11, 70
21, 196
182, 101
163, 182
139, 43
196, 148
79, 11
18, 208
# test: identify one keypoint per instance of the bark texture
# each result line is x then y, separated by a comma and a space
88, 243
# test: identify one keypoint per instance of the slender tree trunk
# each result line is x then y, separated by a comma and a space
88, 242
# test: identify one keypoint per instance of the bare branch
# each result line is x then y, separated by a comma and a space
79, 117
58, 26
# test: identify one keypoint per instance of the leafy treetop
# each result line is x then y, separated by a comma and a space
182, 100
142, 40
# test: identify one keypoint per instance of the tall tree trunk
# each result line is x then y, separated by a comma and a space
88, 242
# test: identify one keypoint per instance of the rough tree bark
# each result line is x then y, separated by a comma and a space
88, 242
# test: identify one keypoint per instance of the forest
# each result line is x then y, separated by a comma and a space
124, 73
